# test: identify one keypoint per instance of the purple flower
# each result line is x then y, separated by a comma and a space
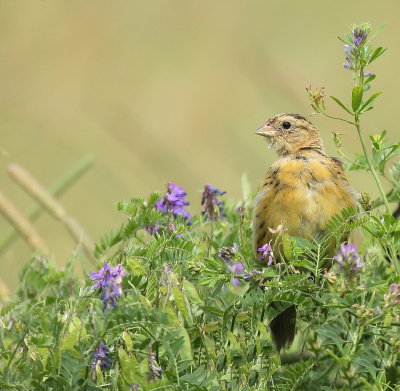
394, 288
153, 228
227, 253
110, 282
100, 359
266, 251
359, 35
102, 277
348, 260
367, 74
236, 268
133, 386
213, 209
348, 50
236, 281
174, 201
350, 63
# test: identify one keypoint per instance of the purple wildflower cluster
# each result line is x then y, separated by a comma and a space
354, 49
110, 282
350, 263
213, 209
267, 252
238, 269
174, 201
228, 254
101, 359
360, 35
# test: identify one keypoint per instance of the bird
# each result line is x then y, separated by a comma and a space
301, 191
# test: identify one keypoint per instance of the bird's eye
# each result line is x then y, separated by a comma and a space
286, 125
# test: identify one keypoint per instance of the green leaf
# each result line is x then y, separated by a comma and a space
212, 326
4, 385
369, 101
331, 337
152, 287
182, 304
233, 341
263, 331
75, 329
129, 368
376, 32
136, 267
246, 189
356, 97
372, 77
287, 246
192, 293
304, 264
341, 104
365, 364
128, 340
196, 377
377, 53
213, 310
292, 375
186, 351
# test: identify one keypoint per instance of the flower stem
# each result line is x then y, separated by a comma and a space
370, 165
338, 118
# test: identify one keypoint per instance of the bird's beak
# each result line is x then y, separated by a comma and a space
266, 131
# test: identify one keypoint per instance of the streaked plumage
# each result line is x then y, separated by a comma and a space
301, 191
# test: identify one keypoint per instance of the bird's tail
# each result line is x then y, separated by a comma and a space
283, 327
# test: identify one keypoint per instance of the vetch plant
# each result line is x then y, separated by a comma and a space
267, 252
360, 53
349, 261
174, 201
212, 207
109, 281
188, 306
101, 360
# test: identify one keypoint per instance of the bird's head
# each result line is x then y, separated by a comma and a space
288, 133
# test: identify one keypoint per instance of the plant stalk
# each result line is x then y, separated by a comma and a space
370, 165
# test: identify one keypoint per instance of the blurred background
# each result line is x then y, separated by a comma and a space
165, 91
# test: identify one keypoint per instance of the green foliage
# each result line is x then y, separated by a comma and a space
360, 53
179, 304
186, 320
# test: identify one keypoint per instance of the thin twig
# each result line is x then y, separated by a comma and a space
22, 225
56, 190
48, 202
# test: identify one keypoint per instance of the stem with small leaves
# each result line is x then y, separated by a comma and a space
370, 165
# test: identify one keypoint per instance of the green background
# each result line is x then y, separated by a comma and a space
168, 91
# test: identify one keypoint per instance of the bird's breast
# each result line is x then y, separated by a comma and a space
301, 194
